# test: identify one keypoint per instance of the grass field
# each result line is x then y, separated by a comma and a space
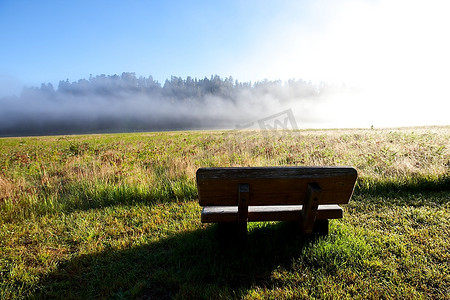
116, 216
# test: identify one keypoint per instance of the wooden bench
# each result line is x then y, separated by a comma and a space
309, 195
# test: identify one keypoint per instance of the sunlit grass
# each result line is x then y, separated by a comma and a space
103, 216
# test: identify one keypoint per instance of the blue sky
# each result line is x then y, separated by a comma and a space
394, 51
48, 41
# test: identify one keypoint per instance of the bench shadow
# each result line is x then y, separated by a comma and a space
192, 265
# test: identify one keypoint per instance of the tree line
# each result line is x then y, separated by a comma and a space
175, 87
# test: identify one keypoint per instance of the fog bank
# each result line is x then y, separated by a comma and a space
126, 103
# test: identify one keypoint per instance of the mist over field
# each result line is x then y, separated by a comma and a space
127, 103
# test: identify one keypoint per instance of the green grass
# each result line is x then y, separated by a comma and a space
116, 216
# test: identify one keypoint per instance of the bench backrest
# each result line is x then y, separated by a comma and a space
274, 185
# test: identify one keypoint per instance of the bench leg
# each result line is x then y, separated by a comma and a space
242, 231
321, 227
230, 232
310, 206
243, 200
226, 229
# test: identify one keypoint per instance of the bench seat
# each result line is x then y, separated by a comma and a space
217, 214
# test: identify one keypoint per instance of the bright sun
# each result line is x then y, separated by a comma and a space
395, 52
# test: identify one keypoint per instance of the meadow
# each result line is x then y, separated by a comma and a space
117, 216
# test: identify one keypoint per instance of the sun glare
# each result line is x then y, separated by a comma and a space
394, 52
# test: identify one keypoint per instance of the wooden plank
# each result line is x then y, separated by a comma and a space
309, 209
271, 172
274, 185
243, 199
215, 214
